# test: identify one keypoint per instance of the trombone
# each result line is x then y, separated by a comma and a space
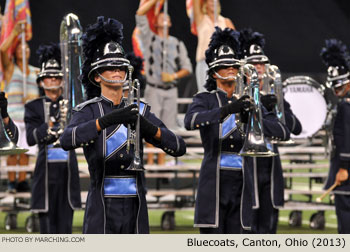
255, 143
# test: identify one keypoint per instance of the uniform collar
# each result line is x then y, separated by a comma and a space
110, 102
224, 94
49, 100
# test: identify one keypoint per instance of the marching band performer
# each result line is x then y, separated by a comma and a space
335, 56
268, 192
10, 127
116, 201
213, 112
55, 185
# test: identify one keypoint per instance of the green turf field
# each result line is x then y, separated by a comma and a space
184, 223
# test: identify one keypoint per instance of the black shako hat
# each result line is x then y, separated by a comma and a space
336, 58
223, 51
49, 61
252, 44
102, 48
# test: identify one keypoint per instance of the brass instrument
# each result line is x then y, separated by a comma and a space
255, 143
133, 133
71, 59
276, 88
7, 147
71, 54
240, 90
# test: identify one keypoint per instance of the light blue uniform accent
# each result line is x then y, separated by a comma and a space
120, 187
228, 125
56, 154
119, 138
229, 160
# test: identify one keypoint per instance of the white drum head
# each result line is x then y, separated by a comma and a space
309, 106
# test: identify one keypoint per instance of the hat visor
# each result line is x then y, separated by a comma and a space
105, 64
47, 74
257, 59
340, 82
224, 63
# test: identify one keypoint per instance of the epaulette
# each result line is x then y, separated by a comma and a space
203, 92
82, 105
35, 100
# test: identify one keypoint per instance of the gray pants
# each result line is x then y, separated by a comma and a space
163, 104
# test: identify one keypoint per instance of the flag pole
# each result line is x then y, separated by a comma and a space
165, 30
24, 62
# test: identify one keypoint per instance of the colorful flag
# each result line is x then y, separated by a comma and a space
151, 16
16, 10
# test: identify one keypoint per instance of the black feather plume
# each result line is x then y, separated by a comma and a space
335, 53
97, 34
49, 51
248, 37
222, 37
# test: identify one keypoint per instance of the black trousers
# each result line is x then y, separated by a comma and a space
231, 183
342, 209
265, 218
121, 215
59, 218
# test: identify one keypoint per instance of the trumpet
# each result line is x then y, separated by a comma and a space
133, 133
255, 143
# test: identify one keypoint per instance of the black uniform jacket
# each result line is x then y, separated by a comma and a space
36, 129
11, 131
272, 165
341, 150
106, 155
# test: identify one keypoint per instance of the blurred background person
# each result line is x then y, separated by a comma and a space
204, 21
13, 76
161, 89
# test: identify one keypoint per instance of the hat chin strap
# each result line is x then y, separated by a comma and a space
112, 81
225, 78
50, 88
